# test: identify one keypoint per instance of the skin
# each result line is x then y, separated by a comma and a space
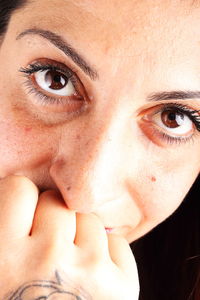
107, 160
50, 252
105, 166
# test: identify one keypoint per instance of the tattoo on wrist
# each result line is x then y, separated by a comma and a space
48, 290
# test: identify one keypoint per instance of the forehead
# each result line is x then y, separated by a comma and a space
126, 36
117, 25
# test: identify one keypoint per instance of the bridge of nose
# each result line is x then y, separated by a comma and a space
90, 167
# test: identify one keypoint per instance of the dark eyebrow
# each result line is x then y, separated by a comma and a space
59, 42
174, 95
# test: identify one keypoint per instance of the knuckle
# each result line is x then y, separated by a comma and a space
90, 218
50, 195
17, 183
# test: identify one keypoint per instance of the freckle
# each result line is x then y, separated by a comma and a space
69, 188
28, 129
153, 179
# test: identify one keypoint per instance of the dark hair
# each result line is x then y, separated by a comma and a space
168, 257
7, 7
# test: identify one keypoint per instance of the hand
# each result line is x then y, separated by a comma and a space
50, 252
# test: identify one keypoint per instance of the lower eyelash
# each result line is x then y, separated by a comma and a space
176, 140
171, 140
44, 100
159, 137
193, 115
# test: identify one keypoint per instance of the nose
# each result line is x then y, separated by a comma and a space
91, 167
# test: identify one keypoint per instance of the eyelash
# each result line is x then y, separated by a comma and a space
193, 115
40, 67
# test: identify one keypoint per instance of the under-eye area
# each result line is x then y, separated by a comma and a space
99, 149
54, 85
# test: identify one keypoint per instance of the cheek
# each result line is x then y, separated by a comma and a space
164, 193
22, 147
166, 177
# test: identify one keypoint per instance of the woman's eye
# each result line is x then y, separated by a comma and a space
55, 82
53, 87
171, 123
174, 122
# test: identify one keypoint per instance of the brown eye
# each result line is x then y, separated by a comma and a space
172, 119
55, 80
55, 83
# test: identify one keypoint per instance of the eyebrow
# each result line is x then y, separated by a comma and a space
172, 95
66, 48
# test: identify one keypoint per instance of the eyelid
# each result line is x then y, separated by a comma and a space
49, 107
38, 66
162, 137
193, 114
43, 64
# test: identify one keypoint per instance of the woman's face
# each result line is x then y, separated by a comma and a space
99, 99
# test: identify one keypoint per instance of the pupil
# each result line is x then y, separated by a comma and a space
172, 116
55, 80
172, 119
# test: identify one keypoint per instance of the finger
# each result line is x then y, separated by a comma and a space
18, 200
91, 236
122, 256
53, 221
